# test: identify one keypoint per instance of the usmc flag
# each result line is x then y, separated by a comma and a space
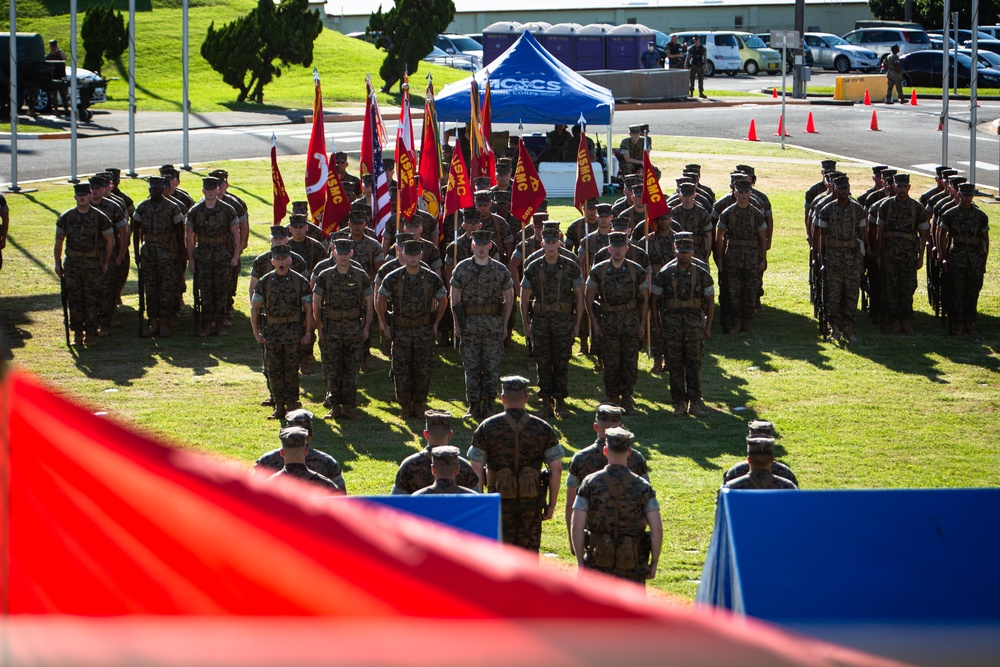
528, 191
459, 194
652, 195
406, 159
586, 185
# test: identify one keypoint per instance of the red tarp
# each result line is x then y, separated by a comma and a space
116, 541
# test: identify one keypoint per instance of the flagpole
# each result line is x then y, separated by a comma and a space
646, 223
454, 225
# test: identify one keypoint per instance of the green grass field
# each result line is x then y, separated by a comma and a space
342, 61
888, 412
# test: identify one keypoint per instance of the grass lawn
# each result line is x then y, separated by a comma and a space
342, 61
890, 411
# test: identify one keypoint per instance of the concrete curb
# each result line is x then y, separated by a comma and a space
33, 137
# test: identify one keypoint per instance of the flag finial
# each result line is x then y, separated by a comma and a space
582, 121
315, 75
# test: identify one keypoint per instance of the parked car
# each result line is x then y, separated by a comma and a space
937, 41
832, 52
756, 56
991, 30
459, 61
964, 38
987, 58
880, 40
455, 45
476, 37
807, 56
722, 48
923, 68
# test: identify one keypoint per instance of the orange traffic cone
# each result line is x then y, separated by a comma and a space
781, 127
874, 125
774, 93
810, 126
868, 99
752, 134
913, 98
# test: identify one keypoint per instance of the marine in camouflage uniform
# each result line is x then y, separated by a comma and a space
741, 255
4, 226
683, 307
759, 428
417, 295
482, 296
965, 230
590, 459
444, 465
316, 460
552, 311
415, 471
841, 226
313, 252
760, 456
107, 305
612, 509
115, 194
902, 235
689, 217
491, 222
508, 451
286, 302
243, 216
293, 450
212, 240
623, 289
89, 239
342, 311
581, 227
155, 224
631, 149
661, 251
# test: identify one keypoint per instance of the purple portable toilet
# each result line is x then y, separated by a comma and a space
626, 44
560, 41
499, 37
591, 47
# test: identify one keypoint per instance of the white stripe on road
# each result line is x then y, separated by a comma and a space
985, 166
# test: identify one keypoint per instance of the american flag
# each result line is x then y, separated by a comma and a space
381, 204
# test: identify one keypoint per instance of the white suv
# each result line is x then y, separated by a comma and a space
722, 49
880, 40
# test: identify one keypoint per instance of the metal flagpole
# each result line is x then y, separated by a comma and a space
13, 99
649, 327
131, 89
945, 72
186, 104
72, 93
972, 91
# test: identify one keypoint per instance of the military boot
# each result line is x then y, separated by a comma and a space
680, 409
849, 334
305, 365
103, 330
628, 404
561, 409
696, 409
279, 412
547, 410
584, 348
153, 329
970, 329
207, 330
472, 413
351, 412
89, 337
835, 333
164, 327
657, 364
77, 337
598, 365
748, 327
334, 413
267, 402
735, 327
220, 328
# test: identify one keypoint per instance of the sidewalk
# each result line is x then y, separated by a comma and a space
108, 122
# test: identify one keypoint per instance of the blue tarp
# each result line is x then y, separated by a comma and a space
479, 514
851, 557
528, 84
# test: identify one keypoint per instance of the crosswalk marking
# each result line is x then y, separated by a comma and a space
985, 166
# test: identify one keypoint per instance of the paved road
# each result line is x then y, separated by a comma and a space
907, 139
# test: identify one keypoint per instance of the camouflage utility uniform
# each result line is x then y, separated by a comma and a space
281, 299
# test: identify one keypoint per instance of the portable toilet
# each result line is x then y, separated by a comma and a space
560, 41
591, 47
499, 37
626, 44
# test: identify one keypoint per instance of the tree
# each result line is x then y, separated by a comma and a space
104, 36
406, 33
251, 51
930, 13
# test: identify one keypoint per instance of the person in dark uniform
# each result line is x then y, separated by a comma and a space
316, 460
415, 471
293, 450
650, 58
965, 233
695, 62
444, 466
760, 428
760, 456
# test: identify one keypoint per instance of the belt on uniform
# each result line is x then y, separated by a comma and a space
212, 240
563, 307
909, 236
482, 310
838, 243
346, 314
680, 304
158, 238
966, 240
291, 319
669, 310
401, 321
744, 243
89, 254
620, 308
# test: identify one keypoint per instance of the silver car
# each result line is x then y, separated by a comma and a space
880, 40
832, 52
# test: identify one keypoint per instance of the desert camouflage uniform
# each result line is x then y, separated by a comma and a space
622, 528
902, 220
342, 296
412, 298
281, 299
213, 228
415, 473
481, 345
965, 228
842, 260
523, 499
553, 300
681, 295
620, 293
316, 460
157, 224
741, 259
84, 247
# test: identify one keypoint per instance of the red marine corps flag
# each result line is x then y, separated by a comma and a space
430, 157
278, 191
317, 169
528, 191
652, 195
337, 205
459, 195
586, 185
406, 161
488, 159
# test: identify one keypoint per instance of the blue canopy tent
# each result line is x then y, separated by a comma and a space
908, 573
528, 85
